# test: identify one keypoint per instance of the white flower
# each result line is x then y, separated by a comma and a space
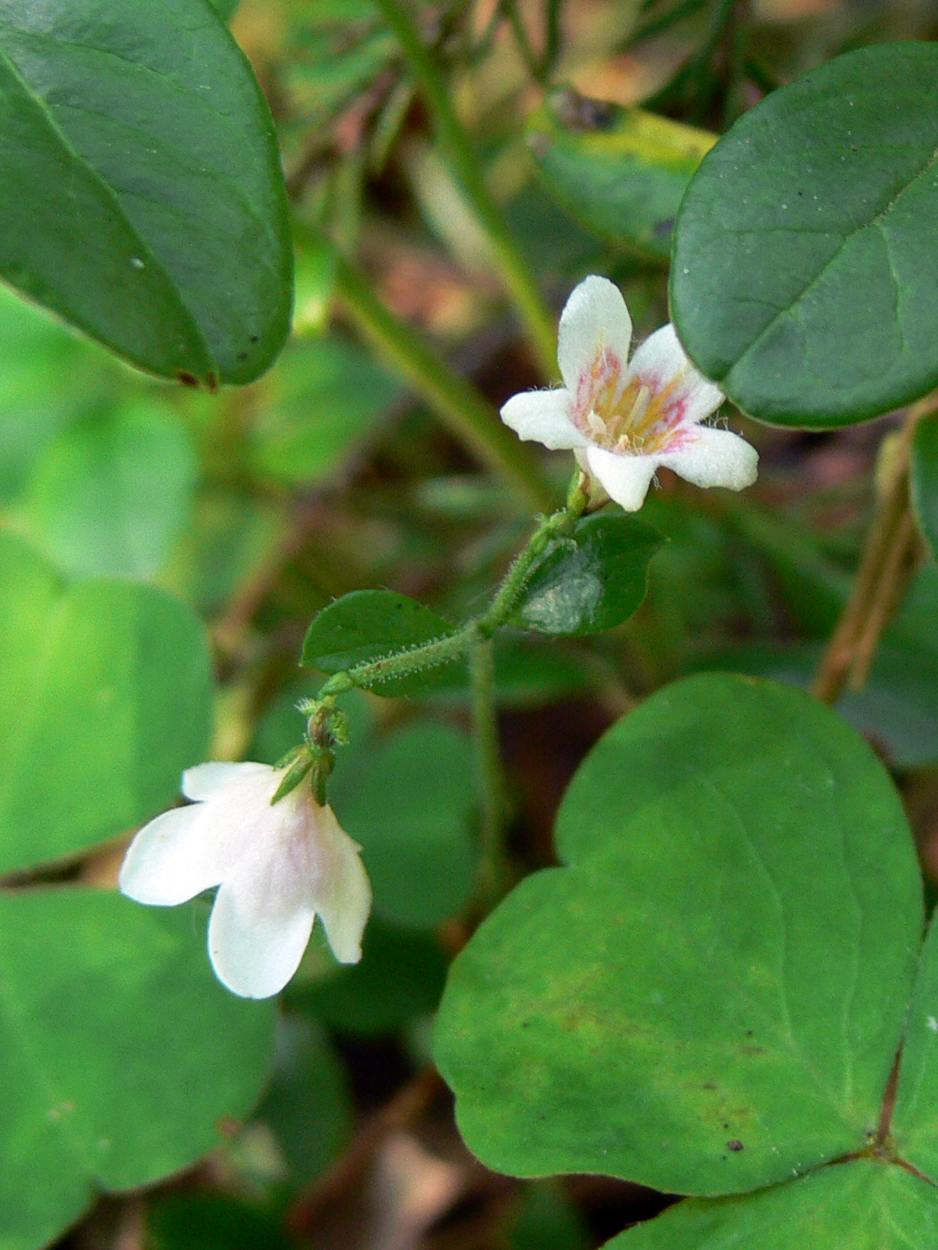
623, 419
277, 866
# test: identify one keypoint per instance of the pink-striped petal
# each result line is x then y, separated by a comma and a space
711, 457
662, 365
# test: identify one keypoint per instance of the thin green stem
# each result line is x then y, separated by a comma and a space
465, 411
493, 875
460, 155
477, 631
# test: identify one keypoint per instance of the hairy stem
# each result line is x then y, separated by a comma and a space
465, 411
481, 628
460, 155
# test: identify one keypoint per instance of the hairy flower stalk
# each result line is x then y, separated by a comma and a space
277, 865
624, 419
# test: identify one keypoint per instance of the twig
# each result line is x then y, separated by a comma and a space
875, 588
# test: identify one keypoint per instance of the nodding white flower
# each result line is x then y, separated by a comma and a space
277, 867
625, 418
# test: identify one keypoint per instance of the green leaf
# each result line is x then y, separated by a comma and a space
111, 493
915, 1122
805, 277
48, 378
712, 995
399, 978
213, 1222
144, 201
323, 400
368, 625
855, 1206
105, 697
548, 1220
307, 1107
411, 810
923, 480
621, 172
593, 580
122, 1059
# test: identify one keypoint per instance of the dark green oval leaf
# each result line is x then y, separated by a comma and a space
805, 275
143, 195
105, 697
121, 1057
593, 580
621, 172
856, 1206
367, 625
711, 997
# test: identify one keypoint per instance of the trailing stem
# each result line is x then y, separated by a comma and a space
480, 629
886, 564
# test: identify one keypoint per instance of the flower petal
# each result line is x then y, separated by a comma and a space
543, 416
260, 926
661, 363
713, 457
625, 477
175, 857
595, 316
343, 891
202, 781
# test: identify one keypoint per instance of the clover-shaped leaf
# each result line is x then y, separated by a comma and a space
710, 996
105, 697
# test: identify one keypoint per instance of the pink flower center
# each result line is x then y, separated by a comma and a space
630, 415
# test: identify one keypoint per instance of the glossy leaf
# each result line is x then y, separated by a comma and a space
122, 1060
805, 277
112, 493
855, 1206
712, 995
621, 172
593, 580
923, 476
368, 625
105, 697
411, 809
325, 398
144, 201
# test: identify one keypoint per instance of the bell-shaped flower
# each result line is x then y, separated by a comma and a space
277, 865
623, 418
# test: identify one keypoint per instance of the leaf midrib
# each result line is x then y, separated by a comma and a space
876, 220
73, 154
